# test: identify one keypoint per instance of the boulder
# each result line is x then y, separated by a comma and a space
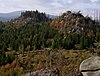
90, 66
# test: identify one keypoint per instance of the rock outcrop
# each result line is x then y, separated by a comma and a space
91, 66
73, 23
44, 72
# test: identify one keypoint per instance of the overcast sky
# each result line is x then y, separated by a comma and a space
49, 6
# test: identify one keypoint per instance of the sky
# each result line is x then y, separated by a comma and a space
55, 7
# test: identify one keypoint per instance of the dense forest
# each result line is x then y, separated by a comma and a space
35, 31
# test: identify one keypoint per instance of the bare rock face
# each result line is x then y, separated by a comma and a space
91, 66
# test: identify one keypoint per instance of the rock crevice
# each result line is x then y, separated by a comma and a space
90, 66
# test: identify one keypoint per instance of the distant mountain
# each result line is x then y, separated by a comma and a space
8, 16
4, 19
51, 16
12, 15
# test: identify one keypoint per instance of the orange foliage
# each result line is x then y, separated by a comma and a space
58, 23
14, 64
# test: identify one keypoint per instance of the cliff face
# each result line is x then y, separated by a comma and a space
73, 22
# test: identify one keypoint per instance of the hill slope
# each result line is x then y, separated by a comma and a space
74, 22
29, 17
35, 44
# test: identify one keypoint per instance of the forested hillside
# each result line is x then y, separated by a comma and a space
35, 31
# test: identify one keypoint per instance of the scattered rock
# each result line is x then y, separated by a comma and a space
91, 66
44, 72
